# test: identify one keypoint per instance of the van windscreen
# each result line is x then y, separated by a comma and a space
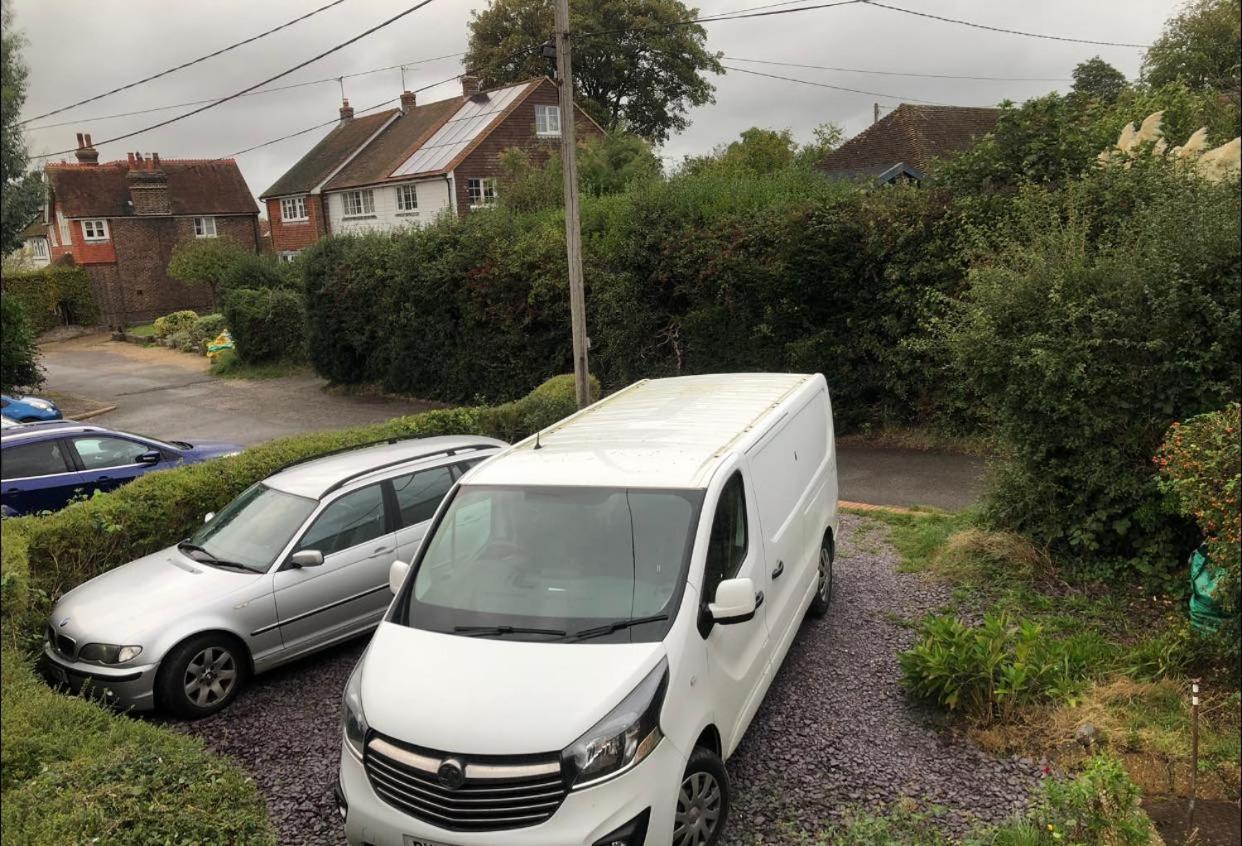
559, 559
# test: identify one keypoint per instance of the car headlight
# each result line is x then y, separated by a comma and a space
108, 653
353, 724
622, 738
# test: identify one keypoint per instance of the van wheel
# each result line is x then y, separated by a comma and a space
702, 802
823, 585
201, 676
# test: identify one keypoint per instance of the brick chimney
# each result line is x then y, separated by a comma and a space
408, 101
347, 111
469, 85
86, 154
148, 185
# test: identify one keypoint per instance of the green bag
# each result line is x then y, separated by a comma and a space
1205, 613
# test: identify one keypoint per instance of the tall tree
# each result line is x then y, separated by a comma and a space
20, 189
1098, 80
637, 65
1199, 47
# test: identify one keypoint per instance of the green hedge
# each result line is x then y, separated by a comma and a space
52, 295
267, 324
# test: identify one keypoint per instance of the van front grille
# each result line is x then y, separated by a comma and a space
490, 794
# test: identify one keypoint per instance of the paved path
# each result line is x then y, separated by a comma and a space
907, 477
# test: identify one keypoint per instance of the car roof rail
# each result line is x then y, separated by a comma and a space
340, 483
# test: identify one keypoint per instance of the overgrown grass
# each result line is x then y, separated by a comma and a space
227, 365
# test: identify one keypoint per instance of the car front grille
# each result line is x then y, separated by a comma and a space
66, 646
496, 793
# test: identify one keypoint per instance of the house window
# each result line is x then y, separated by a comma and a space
204, 227
482, 192
359, 203
288, 255
65, 237
39, 247
548, 120
407, 198
292, 209
95, 230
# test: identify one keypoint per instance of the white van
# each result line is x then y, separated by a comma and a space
592, 621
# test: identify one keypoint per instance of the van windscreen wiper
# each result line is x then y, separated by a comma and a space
609, 628
485, 631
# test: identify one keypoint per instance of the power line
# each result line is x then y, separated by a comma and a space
284, 73
221, 51
80, 121
835, 87
896, 73
736, 15
1002, 29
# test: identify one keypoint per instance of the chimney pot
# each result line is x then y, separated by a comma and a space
85, 153
81, 141
347, 111
88, 140
408, 100
469, 85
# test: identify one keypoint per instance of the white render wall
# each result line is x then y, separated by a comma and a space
433, 200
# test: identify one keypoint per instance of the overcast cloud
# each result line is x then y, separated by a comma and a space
77, 49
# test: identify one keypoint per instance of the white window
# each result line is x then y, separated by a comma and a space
407, 198
293, 208
482, 192
38, 246
288, 255
548, 120
359, 203
95, 230
65, 237
204, 227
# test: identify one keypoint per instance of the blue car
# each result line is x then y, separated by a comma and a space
28, 409
45, 465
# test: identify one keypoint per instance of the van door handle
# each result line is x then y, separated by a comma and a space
780, 568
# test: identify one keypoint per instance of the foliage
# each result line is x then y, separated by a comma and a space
250, 270
1101, 805
1199, 47
53, 295
606, 165
267, 324
207, 328
178, 321
1097, 79
19, 355
1109, 310
206, 261
638, 66
21, 191
766, 151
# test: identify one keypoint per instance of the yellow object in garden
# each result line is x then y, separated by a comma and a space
223, 341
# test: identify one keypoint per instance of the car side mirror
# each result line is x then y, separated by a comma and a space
306, 558
207, 518
396, 575
736, 602
152, 457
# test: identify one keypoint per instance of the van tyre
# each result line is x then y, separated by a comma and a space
823, 578
202, 675
702, 802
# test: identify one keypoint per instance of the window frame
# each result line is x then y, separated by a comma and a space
62, 448
365, 206
39, 247
404, 194
99, 223
81, 463
486, 195
543, 114
201, 223
297, 204
708, 588
450, 470
386, 501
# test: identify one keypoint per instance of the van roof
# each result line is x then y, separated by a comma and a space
658, 433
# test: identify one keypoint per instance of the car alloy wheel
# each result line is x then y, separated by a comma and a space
699, 805
210, 676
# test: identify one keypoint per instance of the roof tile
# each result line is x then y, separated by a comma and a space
915, 135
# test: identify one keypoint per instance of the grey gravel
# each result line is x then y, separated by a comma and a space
835, 734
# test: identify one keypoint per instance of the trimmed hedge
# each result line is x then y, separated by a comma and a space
53, 296
267, 324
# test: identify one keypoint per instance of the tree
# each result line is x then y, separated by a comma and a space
1198, 47
206, 261
824, 139
19, 356
761, 151
20, 190
606, 165
642, 71
1097, 79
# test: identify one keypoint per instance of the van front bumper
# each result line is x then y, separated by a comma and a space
126, 688
583, 818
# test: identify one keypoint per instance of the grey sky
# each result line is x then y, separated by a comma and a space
77, 49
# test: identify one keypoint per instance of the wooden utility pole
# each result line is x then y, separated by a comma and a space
573, 226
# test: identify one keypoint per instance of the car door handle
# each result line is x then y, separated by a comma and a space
383, 550
758, 600
780, 568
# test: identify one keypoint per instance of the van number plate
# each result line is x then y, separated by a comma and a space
415, 841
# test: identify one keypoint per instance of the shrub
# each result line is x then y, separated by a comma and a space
53, 295
207, 327
267, 324
1100, 805
250, 270
19, 355
206, 262
170, 324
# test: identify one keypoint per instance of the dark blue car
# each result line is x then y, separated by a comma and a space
44, 465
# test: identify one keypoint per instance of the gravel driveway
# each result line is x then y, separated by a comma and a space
835, 732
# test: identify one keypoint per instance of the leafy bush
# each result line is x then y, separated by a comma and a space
53, 295
989, 670
267, 324
1100, 805
250, 270
207, 262
207, 327
178, 321
19, 355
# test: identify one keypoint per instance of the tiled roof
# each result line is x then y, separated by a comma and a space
914, 135
195, 186
335, 148
395, 144
37, 228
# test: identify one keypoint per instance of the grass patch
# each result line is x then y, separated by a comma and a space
143, 330
227, 365
919, 535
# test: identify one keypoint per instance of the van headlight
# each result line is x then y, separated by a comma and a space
622, 738
353, 724
108, 653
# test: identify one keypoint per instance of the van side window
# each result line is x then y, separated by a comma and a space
726, 547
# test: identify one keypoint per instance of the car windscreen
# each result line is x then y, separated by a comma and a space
562, 560
253, 529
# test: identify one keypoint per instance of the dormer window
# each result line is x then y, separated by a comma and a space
204, 227
548, 121
94, 231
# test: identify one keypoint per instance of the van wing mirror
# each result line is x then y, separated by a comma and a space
306, 558
396, 575
736, 602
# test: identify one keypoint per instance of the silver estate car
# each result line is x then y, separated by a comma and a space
294, 564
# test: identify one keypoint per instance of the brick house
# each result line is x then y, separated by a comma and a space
407, 166
121, 220
902, 145
34, 251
